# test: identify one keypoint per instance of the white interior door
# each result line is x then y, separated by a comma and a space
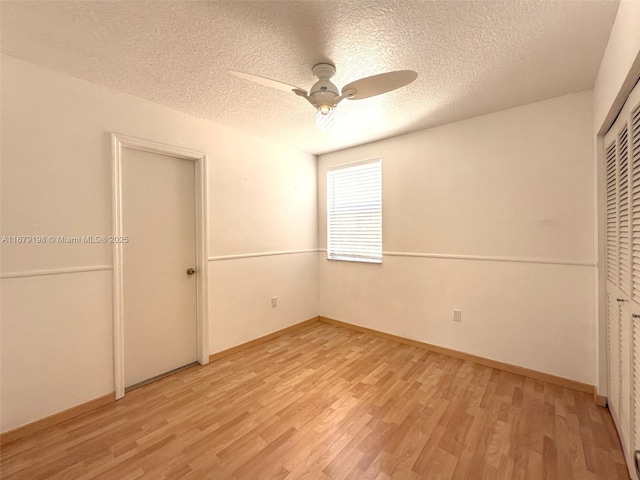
159, 215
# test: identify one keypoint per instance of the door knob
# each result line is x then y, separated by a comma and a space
191, 271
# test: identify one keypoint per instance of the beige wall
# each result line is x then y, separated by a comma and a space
514, 190
56, 349
620, 66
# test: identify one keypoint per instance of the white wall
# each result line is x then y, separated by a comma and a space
56, 346
515, 190
620, 66
241, 291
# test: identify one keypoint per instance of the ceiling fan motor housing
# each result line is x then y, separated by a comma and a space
324, 92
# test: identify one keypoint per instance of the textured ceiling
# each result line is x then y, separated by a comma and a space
472, 57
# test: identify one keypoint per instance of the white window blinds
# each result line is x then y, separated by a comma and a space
354, 212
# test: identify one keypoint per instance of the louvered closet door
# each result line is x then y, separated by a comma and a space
622, 170
634, 161
618, 265
613, 294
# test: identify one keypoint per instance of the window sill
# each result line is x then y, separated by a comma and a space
357, 260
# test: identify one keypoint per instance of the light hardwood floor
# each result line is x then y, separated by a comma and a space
327, 402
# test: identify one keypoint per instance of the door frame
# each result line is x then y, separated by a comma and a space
118, 142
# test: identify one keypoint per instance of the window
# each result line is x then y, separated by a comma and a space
354, 212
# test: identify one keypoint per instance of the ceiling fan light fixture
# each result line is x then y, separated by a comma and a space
324, 109
324, 94
324, 122
324, 101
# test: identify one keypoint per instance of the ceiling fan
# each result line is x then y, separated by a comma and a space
325, 96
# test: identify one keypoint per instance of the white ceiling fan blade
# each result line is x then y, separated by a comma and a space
265, 81
378, 84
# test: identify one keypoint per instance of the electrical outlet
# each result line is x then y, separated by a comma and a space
274, 301
457, 315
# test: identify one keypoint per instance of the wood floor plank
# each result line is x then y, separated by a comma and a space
325, 402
